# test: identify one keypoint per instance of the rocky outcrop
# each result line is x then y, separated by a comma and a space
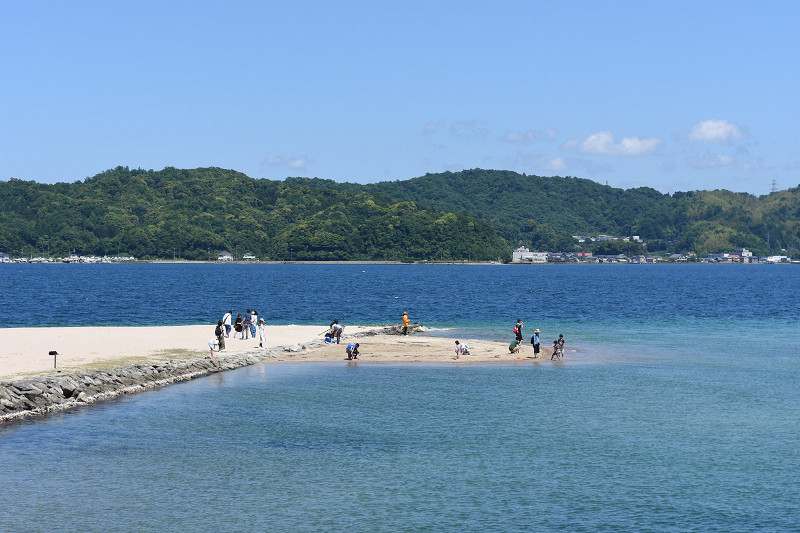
391, 329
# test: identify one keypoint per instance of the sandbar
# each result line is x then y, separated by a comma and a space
416, 348
25, 351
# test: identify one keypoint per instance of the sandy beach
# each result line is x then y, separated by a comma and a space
26, 350
417, 348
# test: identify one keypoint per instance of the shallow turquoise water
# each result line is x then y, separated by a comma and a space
639, 446
679, 412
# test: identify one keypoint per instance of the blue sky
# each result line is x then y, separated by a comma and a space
672, 95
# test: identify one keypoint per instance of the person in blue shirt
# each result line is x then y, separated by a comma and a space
352, 351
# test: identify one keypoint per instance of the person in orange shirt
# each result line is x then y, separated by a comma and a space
405, 323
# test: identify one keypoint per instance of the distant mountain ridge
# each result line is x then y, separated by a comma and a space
194, 214
469, 215
544, 212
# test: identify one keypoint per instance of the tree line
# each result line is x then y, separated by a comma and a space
195, 214
452, 216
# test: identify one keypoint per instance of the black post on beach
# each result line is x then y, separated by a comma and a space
55, 358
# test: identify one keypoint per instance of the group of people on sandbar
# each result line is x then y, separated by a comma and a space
516, 344
245, 326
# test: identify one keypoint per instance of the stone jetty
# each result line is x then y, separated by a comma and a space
53, 392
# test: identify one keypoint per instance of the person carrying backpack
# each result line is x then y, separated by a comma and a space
535, 343
219, 331
518, 330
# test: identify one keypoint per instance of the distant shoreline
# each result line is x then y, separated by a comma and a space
425, 263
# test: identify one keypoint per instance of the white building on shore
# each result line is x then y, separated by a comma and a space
523, 255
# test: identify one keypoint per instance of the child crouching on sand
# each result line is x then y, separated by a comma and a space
461, 349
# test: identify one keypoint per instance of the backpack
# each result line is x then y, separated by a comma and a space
218, 331
516, 329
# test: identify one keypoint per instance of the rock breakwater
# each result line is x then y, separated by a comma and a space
53, 392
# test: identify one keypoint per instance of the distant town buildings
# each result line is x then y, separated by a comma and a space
599, 238
742, 255
72, 258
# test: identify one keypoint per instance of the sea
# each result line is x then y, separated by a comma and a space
677, 407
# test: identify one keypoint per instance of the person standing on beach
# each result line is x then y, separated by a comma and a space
535, 343
246, 325
219, 331
405, 323
253, 323
558, 348
227, 321
336, 330
262, 335
518, 330
237, 327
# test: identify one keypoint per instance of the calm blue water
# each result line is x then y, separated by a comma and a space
680, 412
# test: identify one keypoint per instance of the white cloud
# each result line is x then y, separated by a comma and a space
520, 137
468, 129
571, 144
557, 163
604, 142
274, 160
709, 160
529, 136
715, 131
300, 162
754, 164
296, 163
433, 126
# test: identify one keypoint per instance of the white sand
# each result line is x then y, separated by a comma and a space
25, 350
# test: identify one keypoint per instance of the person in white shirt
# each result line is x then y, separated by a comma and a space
262, 335
336, 330
227, 321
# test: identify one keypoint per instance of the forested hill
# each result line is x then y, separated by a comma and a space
544, 212
554, 209
194, 214
474, 214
